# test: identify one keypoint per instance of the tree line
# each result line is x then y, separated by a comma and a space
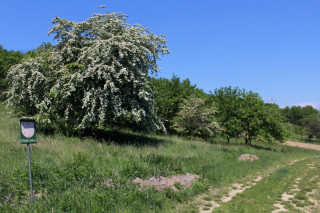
305, 121
98, 76
229, 112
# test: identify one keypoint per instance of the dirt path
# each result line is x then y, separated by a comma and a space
208, 206
217, 197
225, 194
303, 145
301, 195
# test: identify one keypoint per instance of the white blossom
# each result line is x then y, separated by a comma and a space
97, 74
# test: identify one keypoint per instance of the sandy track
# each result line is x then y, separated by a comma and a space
303, 145
240, 188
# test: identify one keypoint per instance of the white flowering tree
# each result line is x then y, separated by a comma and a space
96, 75
195, 119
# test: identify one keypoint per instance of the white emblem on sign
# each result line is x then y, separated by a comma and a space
27, 129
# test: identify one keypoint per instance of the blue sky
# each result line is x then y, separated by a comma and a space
271, 47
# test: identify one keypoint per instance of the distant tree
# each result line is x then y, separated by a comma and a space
7, 59
169, 94
251, 112
296, 114
304, 119
96, 75
228, 103
272, 125
308, 112
194, 119
244, 113
299, 130
312, 127
293, 114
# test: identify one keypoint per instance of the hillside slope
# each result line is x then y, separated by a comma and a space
73, 174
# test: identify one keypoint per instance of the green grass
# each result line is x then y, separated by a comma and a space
270, 189
70, 174
207, 198
208, 205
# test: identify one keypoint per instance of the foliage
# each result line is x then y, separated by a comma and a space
293, 114
299, 130
260, 119
42, 50
273, 126
242, 113
7, 59
251, 115
305, 120
97, 74
297, 114
228, 103
194, 119
312, 128
169, 94
309, 112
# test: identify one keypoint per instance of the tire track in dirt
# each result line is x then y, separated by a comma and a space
309, 203
287, 197
233, 190
236, 188
207, 206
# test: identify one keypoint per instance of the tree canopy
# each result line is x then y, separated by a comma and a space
228, 102
304, 120
242, 113
170, 94
195, 119
297, 114
7, 59
96, 75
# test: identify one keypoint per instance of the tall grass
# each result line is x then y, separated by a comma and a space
95, 175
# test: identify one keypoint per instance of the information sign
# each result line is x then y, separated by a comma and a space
27, 136
27, 131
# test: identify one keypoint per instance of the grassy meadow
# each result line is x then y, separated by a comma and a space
73, 174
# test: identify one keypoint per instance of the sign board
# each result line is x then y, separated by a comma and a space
27, 131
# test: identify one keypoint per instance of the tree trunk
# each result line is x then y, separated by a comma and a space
248, 138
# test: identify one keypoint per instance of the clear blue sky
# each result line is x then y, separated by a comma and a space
271, 47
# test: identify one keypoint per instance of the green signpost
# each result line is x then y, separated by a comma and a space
28, 136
